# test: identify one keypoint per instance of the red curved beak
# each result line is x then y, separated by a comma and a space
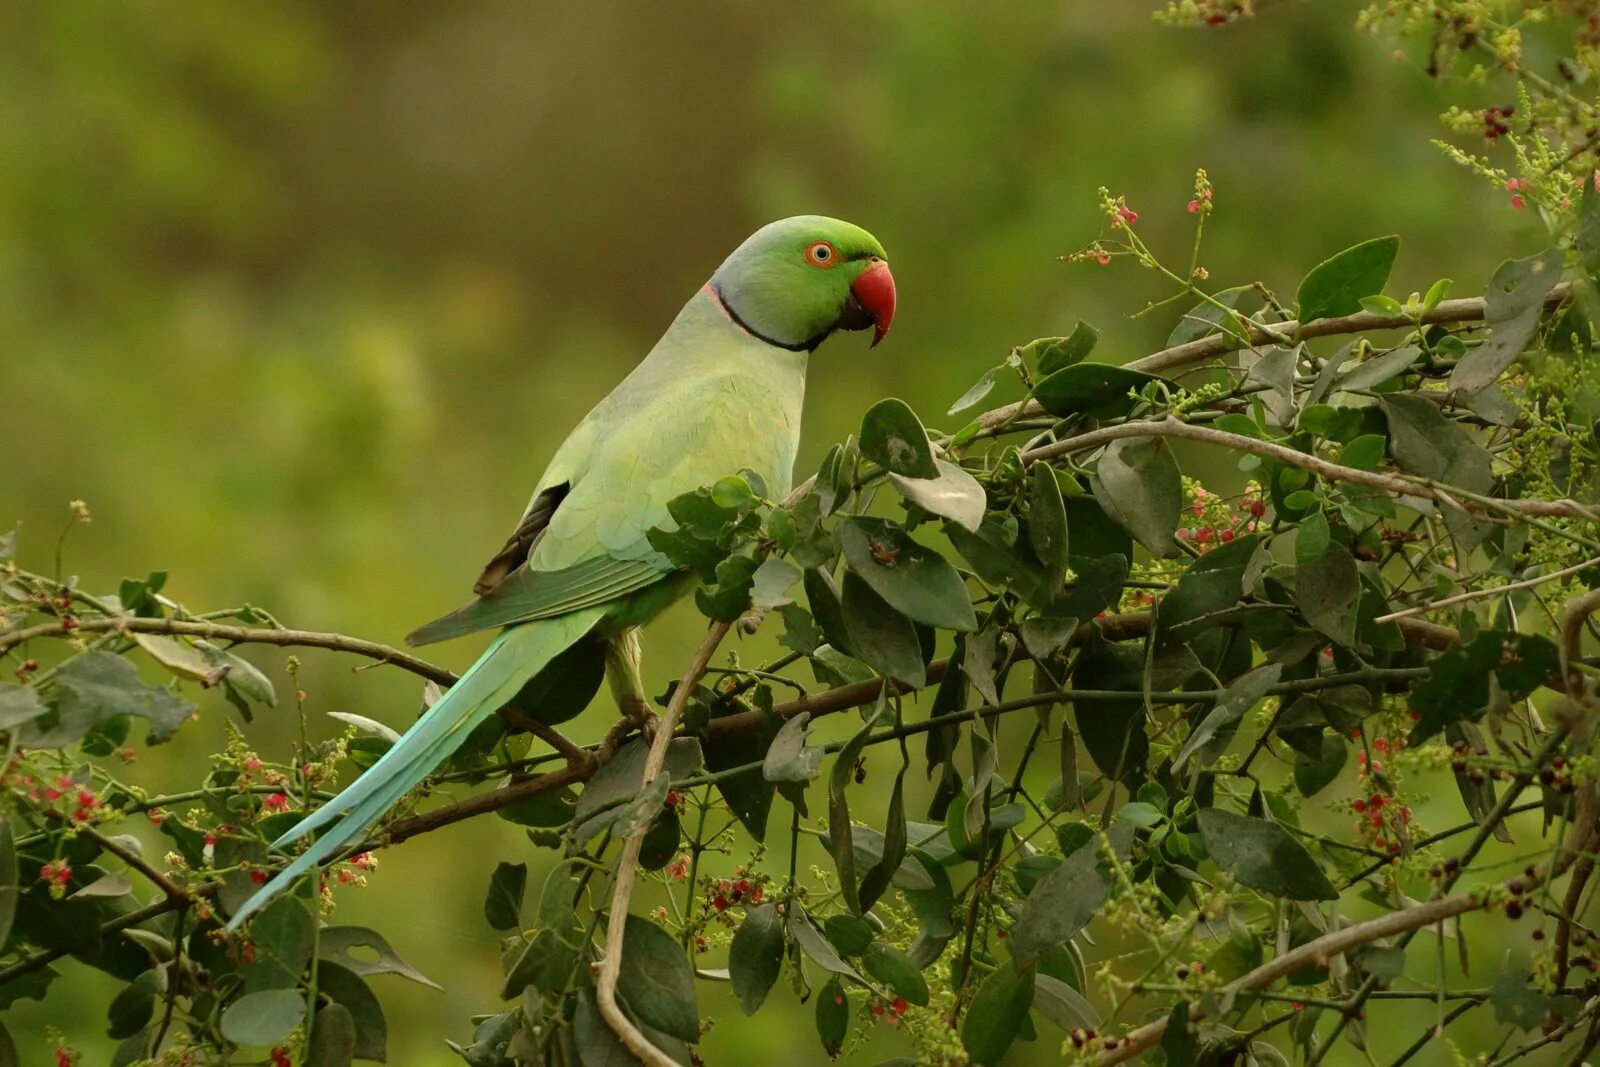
874, 291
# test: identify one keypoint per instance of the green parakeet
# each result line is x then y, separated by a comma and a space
719, 393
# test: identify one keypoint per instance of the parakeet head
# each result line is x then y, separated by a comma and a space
795, 281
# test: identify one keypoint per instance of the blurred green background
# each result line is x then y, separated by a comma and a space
300, 297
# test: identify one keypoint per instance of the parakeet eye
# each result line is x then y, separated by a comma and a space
820, 254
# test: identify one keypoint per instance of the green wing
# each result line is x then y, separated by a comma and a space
527, 594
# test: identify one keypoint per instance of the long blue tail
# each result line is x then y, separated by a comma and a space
515, 656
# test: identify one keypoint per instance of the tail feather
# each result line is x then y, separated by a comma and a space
515, 656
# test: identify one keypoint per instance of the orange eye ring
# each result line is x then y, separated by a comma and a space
821, 254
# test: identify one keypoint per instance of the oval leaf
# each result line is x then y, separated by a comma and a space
1090, 388
1263, 856
657, 980
893, 437
1336, 285
914, 580
954, 494
998, 1011
755, 959
1138, 483
264, 1018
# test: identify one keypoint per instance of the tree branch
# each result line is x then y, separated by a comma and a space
1466, 309
1396, 484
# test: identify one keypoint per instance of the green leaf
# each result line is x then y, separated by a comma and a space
1336, 285
789, 758
1063, 1005
813, 944
850, 934
893, 437
1313, 538
491, 1040
1364, 453
1519, 1002
1333, 421
1044, 636
997, 1014
893, 968
502, 906
1212, 584
333, 1038
10, 884
599, 1046
263, 1018
826, 609
1263, 856
1047, 524
833, 1017
1100, 389
657, 980
9, 1057
1211, 737
839, 837
620, 779
1068, 350
283, 934
994, 557
1328, 591
335, 943
1243, 425
132, 1009
733, 493
748, 795
892, 864
1457, 684
914, 580
755, 959
1207, 317
1312, 774
1178, 1040
1380, 368
93, 688
1513, 305
1423, 441
978, 390
1436, 294
770, 585
1138, 483
1381, 305
872, 850
19, 704
954, 494
1068, 897
880, 636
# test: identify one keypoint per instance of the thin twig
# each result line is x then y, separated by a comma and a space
1464, 309
1480, 594
610, 967
1395, 484
258, 635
